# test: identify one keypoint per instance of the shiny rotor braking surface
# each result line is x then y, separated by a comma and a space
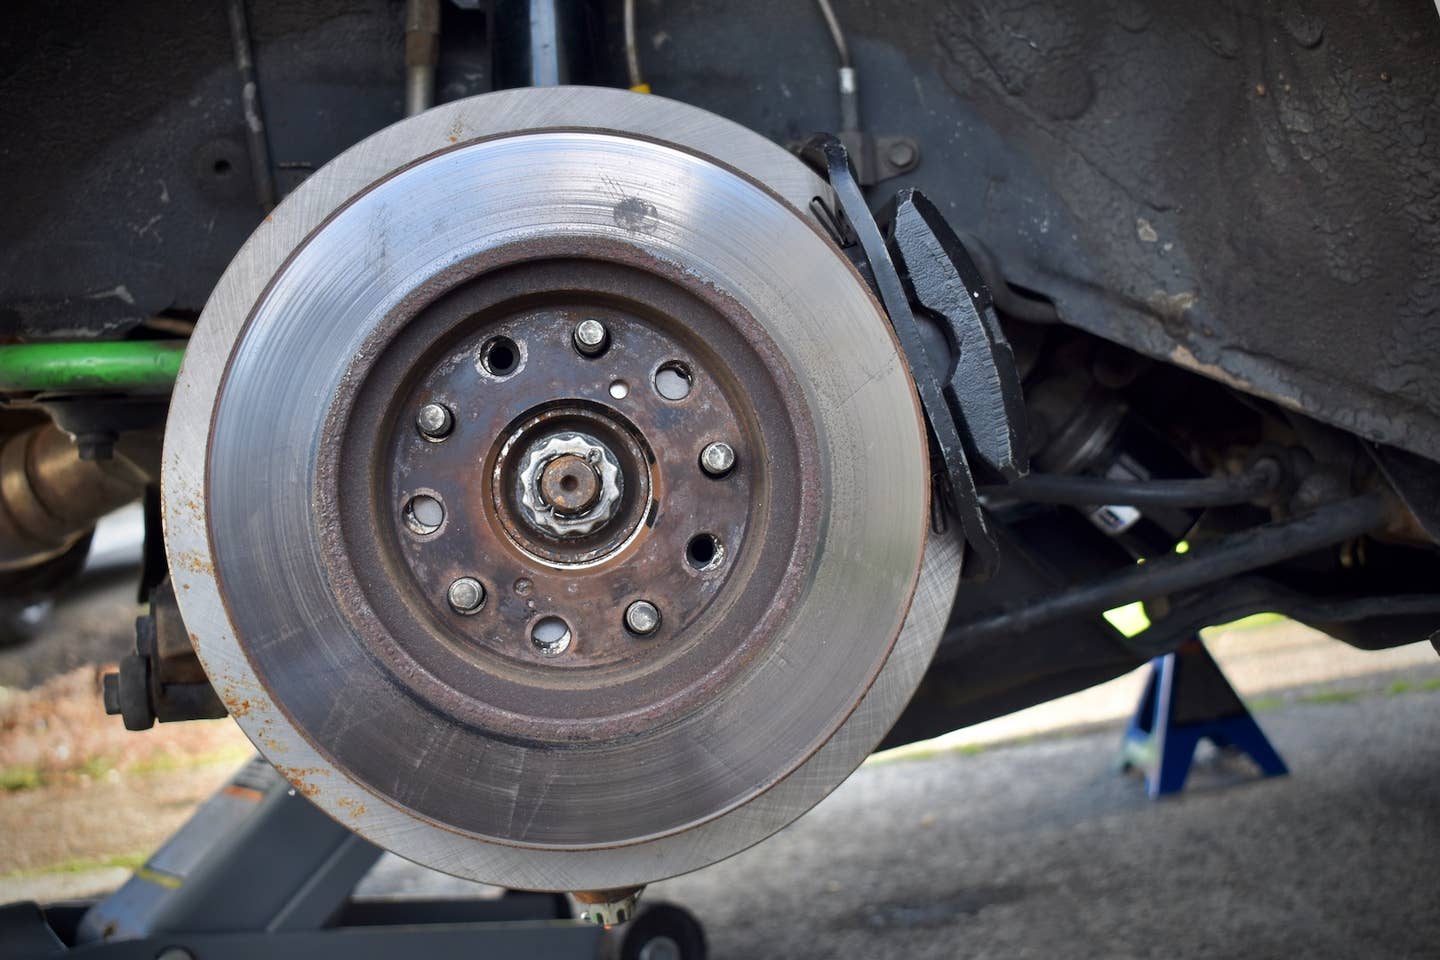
871, 524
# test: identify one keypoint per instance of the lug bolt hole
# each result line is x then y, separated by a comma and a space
424, 514
551, 636
704, 551
500, 356
673, 380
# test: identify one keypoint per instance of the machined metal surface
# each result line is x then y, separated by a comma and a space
414, 737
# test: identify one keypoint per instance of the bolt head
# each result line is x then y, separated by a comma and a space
435, 421
591, 337
901, 154
466, 595
642, 617
717, 459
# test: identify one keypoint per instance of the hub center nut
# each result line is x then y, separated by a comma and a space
568, 485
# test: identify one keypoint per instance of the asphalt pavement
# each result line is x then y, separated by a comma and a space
1040, 849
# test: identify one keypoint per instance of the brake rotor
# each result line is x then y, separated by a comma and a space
547, 496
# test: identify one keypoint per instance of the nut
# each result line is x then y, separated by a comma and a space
541, 512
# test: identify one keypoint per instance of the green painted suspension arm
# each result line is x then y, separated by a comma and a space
131, 366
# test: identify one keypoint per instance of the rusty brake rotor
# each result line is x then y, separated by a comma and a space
547, 495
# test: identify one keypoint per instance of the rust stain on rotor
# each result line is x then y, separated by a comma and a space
353, 807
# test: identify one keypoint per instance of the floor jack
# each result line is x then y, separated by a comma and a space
1187, 699
259, 871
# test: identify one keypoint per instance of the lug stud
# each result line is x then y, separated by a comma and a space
466, 595
591, 338
435, 421
642, 618
717, 459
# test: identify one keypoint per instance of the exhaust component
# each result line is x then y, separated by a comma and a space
50, 497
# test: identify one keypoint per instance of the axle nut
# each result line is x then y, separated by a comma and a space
568, 485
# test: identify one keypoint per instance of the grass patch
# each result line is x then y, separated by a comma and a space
95, 767
1252, 622
1406, 686
1261, 704
170, 762
20, 778
1130, 619
1331, 696
128, 861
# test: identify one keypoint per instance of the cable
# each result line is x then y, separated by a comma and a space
259, 146
839, 35
849, 85
1087, 491
632, 51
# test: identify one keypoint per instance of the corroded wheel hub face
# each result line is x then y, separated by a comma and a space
571, 487
549, 504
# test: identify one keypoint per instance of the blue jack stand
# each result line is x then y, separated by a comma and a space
1187, 699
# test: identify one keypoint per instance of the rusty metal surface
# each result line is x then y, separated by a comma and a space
482, 669
860, 400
